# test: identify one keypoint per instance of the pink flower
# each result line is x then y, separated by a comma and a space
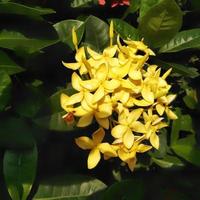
120, 3
115, 3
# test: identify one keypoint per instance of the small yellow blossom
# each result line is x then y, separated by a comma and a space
96, 147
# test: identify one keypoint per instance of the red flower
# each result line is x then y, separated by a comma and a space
115, 3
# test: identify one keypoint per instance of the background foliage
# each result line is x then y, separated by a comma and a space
38, 157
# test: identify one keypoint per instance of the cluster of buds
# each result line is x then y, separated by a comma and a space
115, 3
127, 97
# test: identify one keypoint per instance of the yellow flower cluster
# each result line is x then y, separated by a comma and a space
124, 94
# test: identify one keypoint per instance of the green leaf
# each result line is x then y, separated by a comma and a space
16, 40
80, 3
29, 102
126, 189
134, 6
8, 65
183, 123
64, 30
160, 23
189, 39
15, 133
19, 168
5, 89
180, 69
96, 33
187, 149
69, 187
190, 99
125, 30
20, 9
168, 162
146, 5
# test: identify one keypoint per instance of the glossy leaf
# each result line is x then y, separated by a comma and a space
19, 169
69, 187
21, 9
160, 23
189, 39
181, 70
146, 5
64, 30
8, 65
80, 3
126, 189
15, 133
188, 149
125, 30
5, 86
96, 33
168, 162
16, 40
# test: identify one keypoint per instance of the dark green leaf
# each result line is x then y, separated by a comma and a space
160, 23
8, 65
19, 171
180, 69
15, 133
96, 33
20, 9
134, 6
189, 39
79, 3
187, 149
125, 30
190, 99
16, 40
69, 187
64, 30
146, 5
5, 86
29, 102
183, 123
127, 189
168, 162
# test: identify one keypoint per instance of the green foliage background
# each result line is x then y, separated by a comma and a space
38, 157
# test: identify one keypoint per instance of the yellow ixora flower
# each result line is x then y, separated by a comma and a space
96, 147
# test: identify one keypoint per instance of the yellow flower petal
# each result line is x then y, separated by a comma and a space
102, 72
94, 54
80, 54
110, 51
98, 95
128, 138
107, 150
63, 99
111, 85
84, 142
131, 163
166, 74
91, 85
143, 148
75, 98
73, 66
76, 82
85, 120
160, 109
85, 106
142, 103
93, 158
147, 94
138, 127
98, 136
154, 140
79, 111
104, 122
134, 115
135, 74
105, 110
170, 98
118, 131
170, 114
74, 37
